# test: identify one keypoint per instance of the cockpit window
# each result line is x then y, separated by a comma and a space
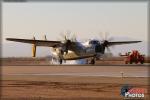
94, 42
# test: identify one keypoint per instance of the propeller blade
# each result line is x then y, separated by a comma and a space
66, 41
101, 36
106, 35
74, 39
62, 35
68, 33
111, 39
108, 49
45, 37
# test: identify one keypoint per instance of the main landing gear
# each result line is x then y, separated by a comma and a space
60, 61
92, 61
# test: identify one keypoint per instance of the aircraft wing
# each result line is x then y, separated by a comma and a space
36, 42
122, 42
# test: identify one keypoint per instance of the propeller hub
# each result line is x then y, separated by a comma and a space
68, 42
105, 43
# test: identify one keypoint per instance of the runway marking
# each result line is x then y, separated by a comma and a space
79, 74
137, 65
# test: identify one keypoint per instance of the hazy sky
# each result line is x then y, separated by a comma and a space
85, 19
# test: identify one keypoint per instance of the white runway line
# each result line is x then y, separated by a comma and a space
83, 74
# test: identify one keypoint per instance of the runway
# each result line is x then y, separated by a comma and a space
107, 71
71, 82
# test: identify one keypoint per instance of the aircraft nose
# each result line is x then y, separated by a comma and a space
98, 48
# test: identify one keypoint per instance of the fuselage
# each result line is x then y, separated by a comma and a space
80, 50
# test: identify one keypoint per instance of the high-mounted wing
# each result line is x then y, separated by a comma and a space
121, 42
36, 42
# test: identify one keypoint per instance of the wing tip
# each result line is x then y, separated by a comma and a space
138, 41
8, 38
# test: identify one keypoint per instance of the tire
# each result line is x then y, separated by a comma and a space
92, 61
136, 62
130, 62
60, 61
126, 62
142, 62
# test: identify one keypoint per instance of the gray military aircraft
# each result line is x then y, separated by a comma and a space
71, 49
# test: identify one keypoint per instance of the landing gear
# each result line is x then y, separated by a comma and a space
60, 61
92, 61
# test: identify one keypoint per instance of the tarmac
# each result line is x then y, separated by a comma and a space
76, 70
36, 79
76, 82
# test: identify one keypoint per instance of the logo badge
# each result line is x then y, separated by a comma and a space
132, 92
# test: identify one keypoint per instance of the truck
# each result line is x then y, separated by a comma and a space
133, 57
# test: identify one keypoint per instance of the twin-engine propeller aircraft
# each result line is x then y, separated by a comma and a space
71, 49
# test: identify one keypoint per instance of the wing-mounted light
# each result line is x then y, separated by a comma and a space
33, 48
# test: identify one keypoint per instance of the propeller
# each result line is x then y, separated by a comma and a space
45, 38
74, 39
105, 39
67, 39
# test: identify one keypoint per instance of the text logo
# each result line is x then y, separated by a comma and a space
132, 92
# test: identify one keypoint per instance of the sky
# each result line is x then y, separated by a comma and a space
84, 19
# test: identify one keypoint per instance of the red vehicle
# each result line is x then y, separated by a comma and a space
134, 57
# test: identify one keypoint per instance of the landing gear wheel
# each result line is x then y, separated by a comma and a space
142, 62
92, 61
130, 62
60, 61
